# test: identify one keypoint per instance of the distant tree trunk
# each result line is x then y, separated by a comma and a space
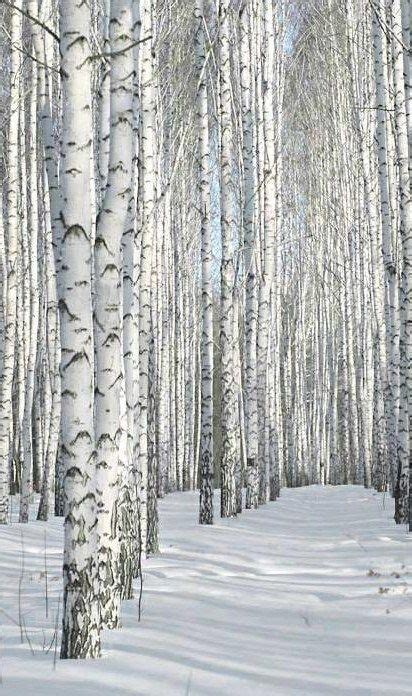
148, 217
206, 438
250, 241
51, 472
12, 245
405, 203
228, 382
33, 301
269, 244
392, 313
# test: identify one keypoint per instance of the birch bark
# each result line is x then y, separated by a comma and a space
12, 193
206, 442
228, 382
81, 621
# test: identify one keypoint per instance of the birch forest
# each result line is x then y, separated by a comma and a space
205, 322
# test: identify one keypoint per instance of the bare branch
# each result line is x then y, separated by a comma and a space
32, 19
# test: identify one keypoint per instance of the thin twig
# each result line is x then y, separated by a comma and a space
32, 19
120, 52
56, 632
139, 570
45, 575
19, 589
28, 639
387, 30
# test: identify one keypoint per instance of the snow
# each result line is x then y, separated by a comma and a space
309, 595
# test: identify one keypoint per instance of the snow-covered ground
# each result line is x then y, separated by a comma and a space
309, 595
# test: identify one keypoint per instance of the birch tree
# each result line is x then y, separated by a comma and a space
81, 620
206, 464
12, 192
228, 387
112, 469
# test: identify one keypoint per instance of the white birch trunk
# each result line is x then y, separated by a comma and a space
81, 620
12, 192
148, 211
206, 438
112, 481
228, 382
